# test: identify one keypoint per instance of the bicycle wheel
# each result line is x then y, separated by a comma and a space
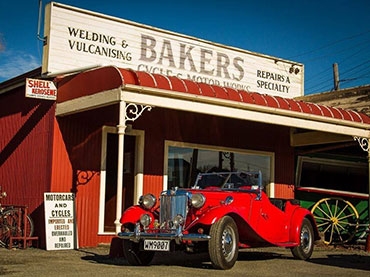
4, 230
9, 226
30, 227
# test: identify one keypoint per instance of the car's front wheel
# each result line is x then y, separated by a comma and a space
223, 245
134, 255
306, 241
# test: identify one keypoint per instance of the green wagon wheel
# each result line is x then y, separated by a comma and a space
337, 219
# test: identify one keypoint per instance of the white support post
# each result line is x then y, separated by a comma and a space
129, 112
121, 128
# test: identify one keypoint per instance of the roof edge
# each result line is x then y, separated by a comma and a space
248, 106
19, 81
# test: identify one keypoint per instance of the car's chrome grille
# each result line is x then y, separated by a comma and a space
171, 206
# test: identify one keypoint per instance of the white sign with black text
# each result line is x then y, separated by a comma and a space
77, 39
59, 220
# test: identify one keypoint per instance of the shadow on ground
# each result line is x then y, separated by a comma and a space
93, 257
200, 260
354, 261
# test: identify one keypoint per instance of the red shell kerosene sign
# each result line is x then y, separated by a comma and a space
41, 89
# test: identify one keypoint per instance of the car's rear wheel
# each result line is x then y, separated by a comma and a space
306, 241
223, 245
134, 255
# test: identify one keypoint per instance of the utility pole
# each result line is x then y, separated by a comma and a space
336, 76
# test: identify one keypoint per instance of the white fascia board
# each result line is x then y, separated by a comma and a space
88, 102
213, 106
250, 112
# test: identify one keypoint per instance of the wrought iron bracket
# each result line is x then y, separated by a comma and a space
134, 111
85, 176
363, 142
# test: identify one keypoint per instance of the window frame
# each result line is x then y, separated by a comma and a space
269, 186
326, 161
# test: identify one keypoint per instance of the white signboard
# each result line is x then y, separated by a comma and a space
59, 221
77, 38
42, 89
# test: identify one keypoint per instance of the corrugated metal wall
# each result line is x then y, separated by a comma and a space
161, 124
284, 191
153, 184
64, 179
76, 168
62, 174
26, 128
39, 153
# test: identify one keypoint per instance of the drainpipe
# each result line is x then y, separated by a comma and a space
121, 128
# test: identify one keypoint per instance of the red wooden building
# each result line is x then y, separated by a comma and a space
114, 134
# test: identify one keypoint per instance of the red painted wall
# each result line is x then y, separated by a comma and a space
26, 128
161, 124
76, 167
39, 153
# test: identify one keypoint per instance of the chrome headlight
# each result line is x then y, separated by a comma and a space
197, 200
145, 220
147, 201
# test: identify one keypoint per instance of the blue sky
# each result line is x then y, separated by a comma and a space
315, 33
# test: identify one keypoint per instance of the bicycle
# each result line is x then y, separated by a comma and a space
12, 223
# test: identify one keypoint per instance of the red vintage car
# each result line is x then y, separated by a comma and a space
221, 213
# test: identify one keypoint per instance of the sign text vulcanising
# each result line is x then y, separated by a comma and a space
59, 221
92, 39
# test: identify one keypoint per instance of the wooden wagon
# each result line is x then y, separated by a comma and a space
337, 193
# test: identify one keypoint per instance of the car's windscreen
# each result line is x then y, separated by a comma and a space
224, 180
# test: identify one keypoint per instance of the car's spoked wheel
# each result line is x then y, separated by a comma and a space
337, 219
134, 255
223, 245
306, 241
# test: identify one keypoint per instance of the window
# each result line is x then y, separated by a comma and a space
185, 161
332, 174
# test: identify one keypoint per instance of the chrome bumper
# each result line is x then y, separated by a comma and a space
175, 235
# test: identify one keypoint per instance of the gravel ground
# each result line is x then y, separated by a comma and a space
326, 261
